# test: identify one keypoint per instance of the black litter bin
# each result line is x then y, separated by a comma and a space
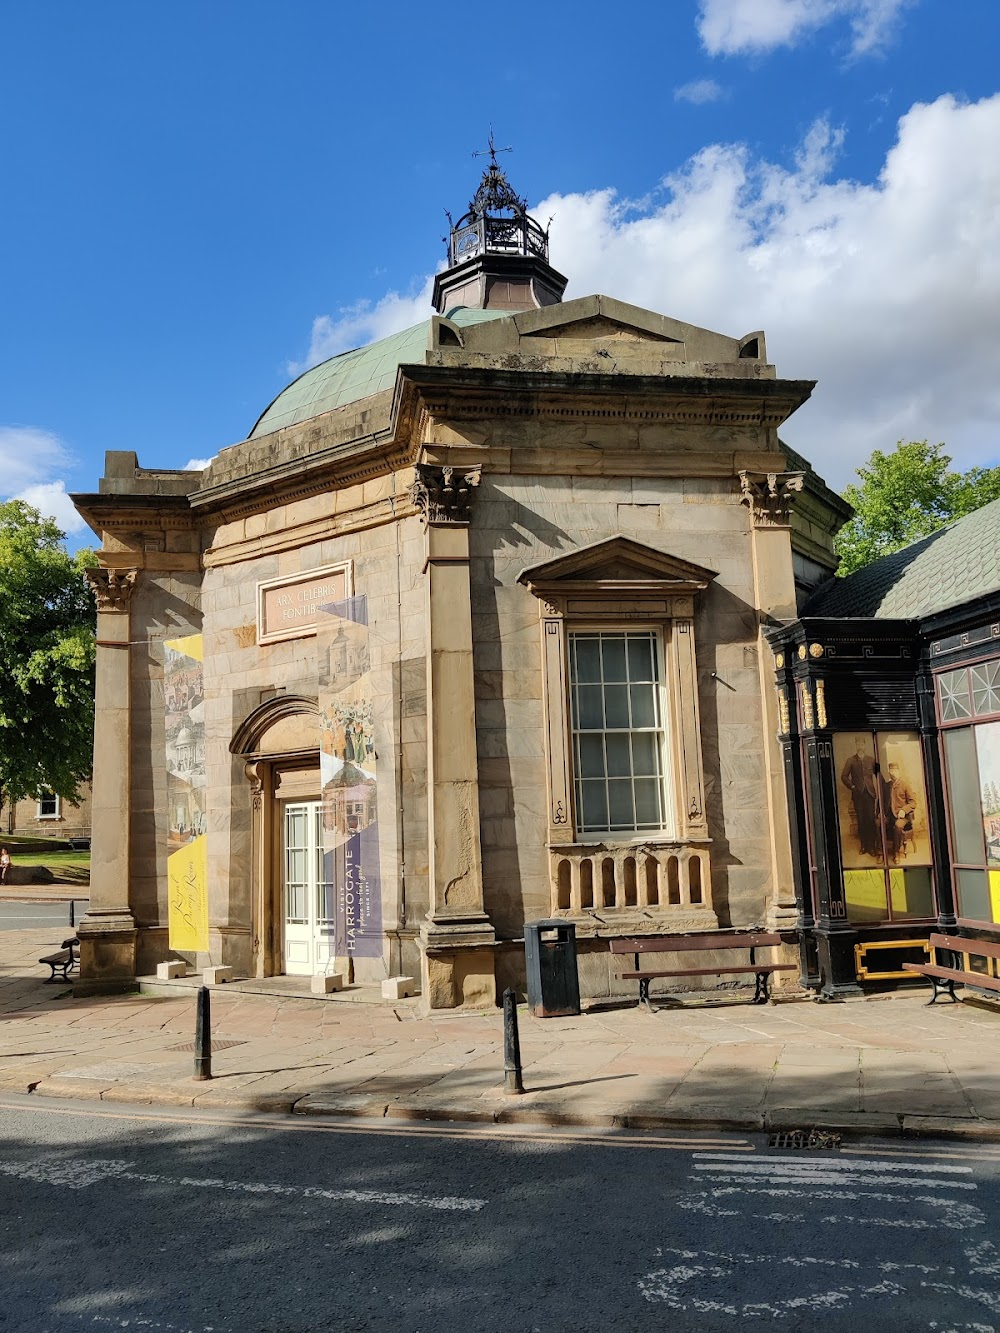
550, 959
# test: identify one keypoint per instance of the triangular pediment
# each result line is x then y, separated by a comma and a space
617, 562
600, 328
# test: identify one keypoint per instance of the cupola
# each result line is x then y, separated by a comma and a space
498, 255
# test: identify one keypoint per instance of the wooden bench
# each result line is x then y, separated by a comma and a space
749, 940
943, 978
66, 960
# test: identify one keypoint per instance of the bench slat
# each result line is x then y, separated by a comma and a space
710, 971
692, 943
953, 974
959, 945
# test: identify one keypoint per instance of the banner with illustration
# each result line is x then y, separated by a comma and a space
348, 769
187, 855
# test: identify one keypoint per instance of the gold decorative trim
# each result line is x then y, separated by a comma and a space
821, 704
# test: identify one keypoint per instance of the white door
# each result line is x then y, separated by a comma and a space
307, 894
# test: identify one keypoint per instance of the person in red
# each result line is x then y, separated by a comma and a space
859, 778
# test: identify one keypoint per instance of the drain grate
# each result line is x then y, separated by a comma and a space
804, 1138
216, 1046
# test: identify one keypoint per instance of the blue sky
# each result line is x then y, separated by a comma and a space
202, 199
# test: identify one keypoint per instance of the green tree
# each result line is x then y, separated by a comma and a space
47, 622
908, 494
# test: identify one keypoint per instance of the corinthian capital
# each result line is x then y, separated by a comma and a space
112, 587
770, 496
444, 494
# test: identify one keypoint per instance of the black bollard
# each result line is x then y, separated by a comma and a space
511, 1045
72, 912
203, 1036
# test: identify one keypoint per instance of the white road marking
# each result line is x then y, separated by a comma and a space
79, 1173
761, 1161
833, 1178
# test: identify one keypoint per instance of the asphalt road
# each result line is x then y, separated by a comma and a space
131, 1217
35, 916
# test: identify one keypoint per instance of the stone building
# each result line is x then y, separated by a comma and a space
492, 586
48, 816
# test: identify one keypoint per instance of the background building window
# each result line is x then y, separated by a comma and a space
49, 805
619, 750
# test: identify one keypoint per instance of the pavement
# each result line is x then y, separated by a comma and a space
887, 1065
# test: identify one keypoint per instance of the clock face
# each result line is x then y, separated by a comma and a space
467, 242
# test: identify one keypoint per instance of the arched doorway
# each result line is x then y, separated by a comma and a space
292, 902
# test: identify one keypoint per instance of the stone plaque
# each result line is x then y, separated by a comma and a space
287, 607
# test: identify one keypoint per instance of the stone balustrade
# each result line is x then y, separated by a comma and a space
672, 879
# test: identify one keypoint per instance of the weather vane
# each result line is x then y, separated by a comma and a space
492, 150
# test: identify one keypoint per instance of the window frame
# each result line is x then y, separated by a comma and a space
41, 799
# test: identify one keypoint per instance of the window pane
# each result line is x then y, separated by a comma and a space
864, 891
640, 657
587, 652
594, 806
645, 754
590, 756
591, 714
911, 894
988, 759
963, 796
643, 705
973, 889
619, 759
614, 657
986, 687
647, 803
621, 814
616, 705
953, 691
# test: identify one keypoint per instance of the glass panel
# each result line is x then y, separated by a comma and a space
857, 800
591, 715
594, 806
986, 687
296, 900
590, 756
953, 691
616, 705
647, 803
902, 798
587, 658
988, 757
614, 657
963, 796
645, 754
864, 891
619, 758
620, 804
973, 889
911, 894
640, 657
643, 705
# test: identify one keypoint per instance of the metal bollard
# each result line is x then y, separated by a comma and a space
72, 911
203, 1036
511, 1045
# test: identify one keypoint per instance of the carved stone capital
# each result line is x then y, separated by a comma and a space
770, 496
112, 587
444, 494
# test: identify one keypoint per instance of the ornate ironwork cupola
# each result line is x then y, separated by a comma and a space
498, 256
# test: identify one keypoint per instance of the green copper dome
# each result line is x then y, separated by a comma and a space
354, 375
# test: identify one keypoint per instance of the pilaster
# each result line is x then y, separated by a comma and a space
108, 934
457, 937
769, 497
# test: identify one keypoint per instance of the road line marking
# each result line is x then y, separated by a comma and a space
958, 1154
825, 1164
814, 1179
386, 1126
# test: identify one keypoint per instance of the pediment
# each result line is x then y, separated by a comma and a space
616, 565
600, 328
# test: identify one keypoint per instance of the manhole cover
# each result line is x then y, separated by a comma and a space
804, 1138
215, 1046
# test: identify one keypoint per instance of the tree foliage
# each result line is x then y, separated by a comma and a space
907, 494
47, 622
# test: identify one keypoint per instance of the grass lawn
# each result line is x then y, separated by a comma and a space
67, 866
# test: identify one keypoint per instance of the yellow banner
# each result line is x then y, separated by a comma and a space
187, 876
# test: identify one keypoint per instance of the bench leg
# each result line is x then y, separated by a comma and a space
761, 994
644, 994
943, 986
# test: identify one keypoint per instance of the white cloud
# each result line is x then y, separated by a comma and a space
730, 27
197, 464
354, 326
699, 92
887, 293
28, 459
51, 501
